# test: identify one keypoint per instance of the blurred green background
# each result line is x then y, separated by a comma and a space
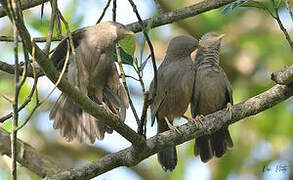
252, 49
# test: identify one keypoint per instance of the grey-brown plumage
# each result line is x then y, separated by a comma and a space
96, 76
212, 92
174, 90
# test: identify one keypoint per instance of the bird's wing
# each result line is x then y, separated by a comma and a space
59, 54
115, 95
195, 94
228, 93
161, 93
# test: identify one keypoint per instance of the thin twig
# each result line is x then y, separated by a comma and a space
34, 89
26, 101
37, 39
26, 62
29, 116
141, 127
13, 9
51, 26
284, 30
289, 8
114, 10
125, 84
6, 98
128, 76
153, 60
59, 27
104, 11
69, 34
61, 74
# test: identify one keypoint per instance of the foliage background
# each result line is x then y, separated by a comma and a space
252, 48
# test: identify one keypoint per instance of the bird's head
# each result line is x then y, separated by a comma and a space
115, 30
182, 45
210, 39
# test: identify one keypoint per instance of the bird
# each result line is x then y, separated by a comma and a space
212, 92
94, 74
174, 90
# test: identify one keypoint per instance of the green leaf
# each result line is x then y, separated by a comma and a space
244, 3
128, 44
144, 39
145, 62
125, 57
230, 7
254, 4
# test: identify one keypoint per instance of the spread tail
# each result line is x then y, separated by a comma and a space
73, 122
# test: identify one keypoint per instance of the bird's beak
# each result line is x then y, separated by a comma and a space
221, 36
200, 46
129, 33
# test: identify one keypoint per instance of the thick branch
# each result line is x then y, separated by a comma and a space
165, 18
284, 76
24, 5
211, 123
87, 104
179, 14
28, 156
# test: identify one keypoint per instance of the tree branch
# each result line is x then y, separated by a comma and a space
179, 14
284, 76
25, 4
211, 123
165, 18
28, 156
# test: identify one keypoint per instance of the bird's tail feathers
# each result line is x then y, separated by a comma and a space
73, 122
168, 157
216, 144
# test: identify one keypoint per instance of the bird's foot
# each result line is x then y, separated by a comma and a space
103, 105
196, 121
230, 109
173, 128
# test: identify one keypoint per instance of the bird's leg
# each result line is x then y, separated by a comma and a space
173, 128
103, 105
197, 120
229, 109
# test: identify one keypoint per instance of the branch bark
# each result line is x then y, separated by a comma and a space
211, 123
27, 156
284, 76
27, 4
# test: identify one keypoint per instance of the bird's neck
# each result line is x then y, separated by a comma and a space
207, 57
173, 55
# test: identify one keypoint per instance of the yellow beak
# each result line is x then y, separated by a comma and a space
129, 32
221, 36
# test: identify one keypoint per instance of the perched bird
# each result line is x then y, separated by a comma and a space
174, 91
212, 92
95, 75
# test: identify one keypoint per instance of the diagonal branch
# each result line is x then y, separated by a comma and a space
28, 156
211, 123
